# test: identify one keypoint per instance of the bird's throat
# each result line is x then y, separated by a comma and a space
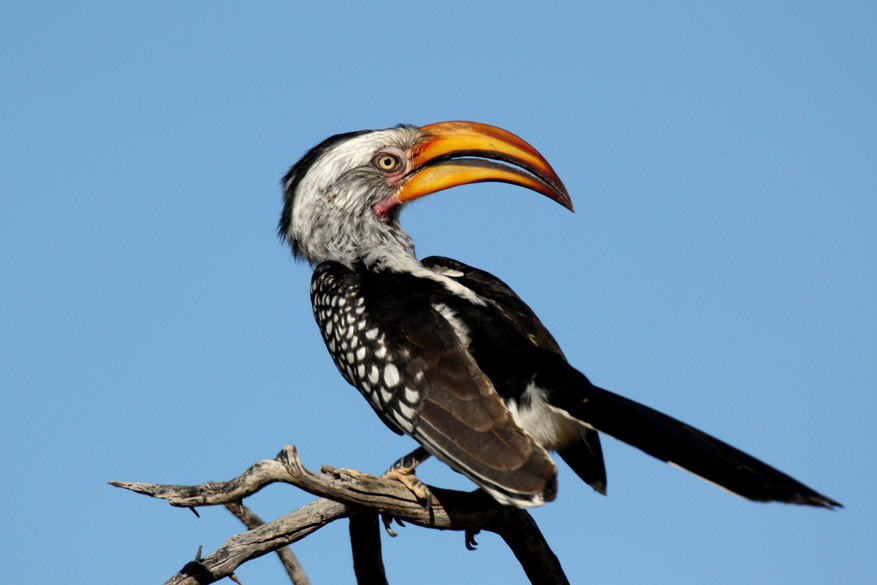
388, 208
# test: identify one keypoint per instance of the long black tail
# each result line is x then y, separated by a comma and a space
681, 445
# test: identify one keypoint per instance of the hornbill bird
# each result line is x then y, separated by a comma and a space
449, 354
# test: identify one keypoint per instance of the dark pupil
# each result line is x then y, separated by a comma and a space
388, 161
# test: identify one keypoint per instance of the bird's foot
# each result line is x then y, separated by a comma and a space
348, 473
409, 480
388, 521
403, 471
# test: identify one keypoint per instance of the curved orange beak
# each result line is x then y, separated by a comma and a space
458, 153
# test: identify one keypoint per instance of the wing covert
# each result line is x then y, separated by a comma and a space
393, 338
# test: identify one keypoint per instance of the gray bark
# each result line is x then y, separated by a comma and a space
345, 493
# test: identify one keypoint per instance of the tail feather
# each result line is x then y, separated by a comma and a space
683, 446
586, 459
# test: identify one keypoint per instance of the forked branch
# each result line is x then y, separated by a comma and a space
344, 493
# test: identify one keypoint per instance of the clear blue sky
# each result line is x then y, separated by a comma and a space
721, 266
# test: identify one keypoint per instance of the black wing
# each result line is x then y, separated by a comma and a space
584, 455
394, 338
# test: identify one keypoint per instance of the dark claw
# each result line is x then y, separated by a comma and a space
470, 539
387, 520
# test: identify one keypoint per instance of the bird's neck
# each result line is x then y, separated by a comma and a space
393, 258
390, 248
374, 245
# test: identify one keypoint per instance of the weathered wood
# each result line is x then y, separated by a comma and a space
342, 494
254, 543
287, 558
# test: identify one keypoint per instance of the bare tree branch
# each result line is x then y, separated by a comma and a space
344, 493
254, 543
287, 558
365, 541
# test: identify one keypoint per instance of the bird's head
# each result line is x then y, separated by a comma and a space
343, 198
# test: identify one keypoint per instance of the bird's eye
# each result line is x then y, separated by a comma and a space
387, 162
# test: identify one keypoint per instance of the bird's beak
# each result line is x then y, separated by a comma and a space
458, 153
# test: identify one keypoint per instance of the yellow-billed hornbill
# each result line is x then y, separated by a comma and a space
449, 354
